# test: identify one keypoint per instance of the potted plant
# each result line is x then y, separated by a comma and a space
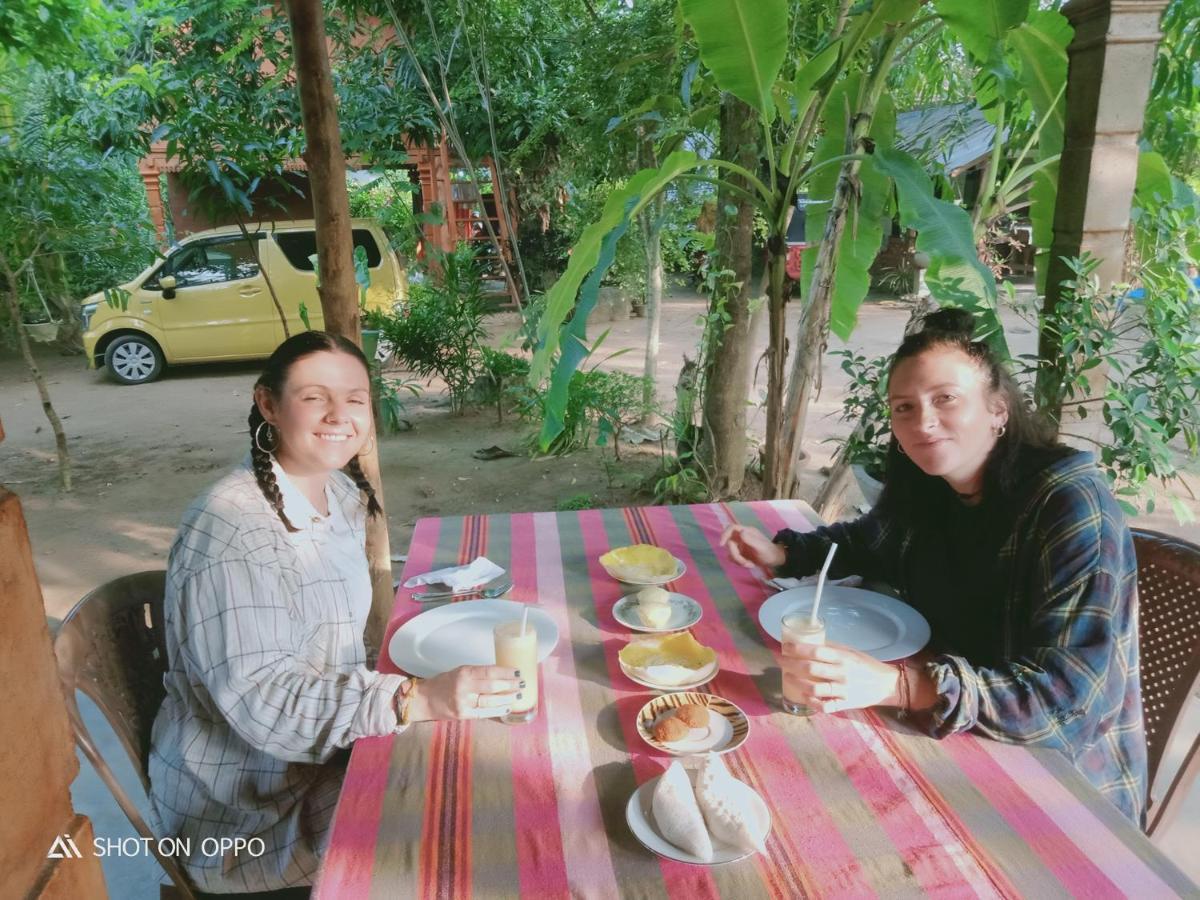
865, 408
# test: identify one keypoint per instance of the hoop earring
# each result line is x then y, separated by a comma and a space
900, 449
270, 432
369, 447
999, 432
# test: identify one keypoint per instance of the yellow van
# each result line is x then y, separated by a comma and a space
208, 300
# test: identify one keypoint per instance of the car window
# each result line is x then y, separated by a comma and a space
300, 246
209, 262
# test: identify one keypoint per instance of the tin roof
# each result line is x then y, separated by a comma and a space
955, 135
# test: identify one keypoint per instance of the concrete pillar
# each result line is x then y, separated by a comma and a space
155, 201
1108, 82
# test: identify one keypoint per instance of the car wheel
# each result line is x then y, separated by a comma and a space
132, 359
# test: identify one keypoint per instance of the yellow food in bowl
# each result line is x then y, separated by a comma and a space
639, 561
672, 659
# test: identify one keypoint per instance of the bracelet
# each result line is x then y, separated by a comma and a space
403, 698
902, 686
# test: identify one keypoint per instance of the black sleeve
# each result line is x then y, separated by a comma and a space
868, 546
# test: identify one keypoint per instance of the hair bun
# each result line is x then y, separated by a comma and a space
950, 322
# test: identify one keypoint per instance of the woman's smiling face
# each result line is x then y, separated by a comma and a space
322, 413
944, 415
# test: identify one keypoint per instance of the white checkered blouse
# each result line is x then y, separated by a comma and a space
267, 679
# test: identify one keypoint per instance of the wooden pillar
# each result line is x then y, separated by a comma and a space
155, 201
1108, 83
450, 229
37, 755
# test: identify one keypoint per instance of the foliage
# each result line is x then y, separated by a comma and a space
386, 390
440, 331
600, 404
389, 199
865, 406
576, 502
501, 373
1172, 124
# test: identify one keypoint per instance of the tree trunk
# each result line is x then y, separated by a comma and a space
56, 291
339, 292
652, 235
11, 293
727, 354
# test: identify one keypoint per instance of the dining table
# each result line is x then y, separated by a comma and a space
862, 803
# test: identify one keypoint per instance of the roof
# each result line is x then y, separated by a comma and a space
955, 135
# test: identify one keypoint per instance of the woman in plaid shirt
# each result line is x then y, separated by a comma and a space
1014, 549
267, 596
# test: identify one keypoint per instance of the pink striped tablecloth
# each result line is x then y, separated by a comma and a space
861, 804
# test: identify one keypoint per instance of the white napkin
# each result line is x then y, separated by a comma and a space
459, 578
785, 583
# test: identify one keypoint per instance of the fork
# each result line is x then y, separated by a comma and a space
489, 592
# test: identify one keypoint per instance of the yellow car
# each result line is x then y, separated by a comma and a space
208, 300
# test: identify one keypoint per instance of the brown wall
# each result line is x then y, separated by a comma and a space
271, 203
37, 750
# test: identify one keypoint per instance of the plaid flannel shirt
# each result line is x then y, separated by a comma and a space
1068, 673
267, 679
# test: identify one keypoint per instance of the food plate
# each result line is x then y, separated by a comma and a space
640, 817
877, 624
685, 612
460, 634
727, 727
655, 580
704, 676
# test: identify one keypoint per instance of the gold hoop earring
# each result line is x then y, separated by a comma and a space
366, 450
999, 432
270, 432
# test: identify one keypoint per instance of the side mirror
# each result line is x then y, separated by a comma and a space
167, 283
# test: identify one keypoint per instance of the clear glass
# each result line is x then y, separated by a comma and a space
519, 651
799, 629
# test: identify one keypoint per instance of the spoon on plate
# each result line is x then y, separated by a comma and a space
489, 591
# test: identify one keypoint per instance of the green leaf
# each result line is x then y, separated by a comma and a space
979, 25
743, 43
955, 276
1153, 180
304, 316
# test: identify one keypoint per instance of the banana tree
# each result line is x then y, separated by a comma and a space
839, 91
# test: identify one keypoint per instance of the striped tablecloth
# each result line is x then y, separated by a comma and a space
861, 804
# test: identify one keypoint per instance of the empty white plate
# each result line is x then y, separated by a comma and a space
877, 624
460, 634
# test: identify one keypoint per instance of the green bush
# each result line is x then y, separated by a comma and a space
441, 330
598, 403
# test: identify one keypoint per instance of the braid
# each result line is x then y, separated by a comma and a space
263, 473
354, 469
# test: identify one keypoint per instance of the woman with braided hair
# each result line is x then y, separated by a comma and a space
267, 596
1014, 549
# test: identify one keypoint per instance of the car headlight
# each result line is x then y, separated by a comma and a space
85, 314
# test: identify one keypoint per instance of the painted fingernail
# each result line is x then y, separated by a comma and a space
516, 673
519, 695
521, 684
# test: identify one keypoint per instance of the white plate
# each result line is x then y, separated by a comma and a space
877, 624
655, 581
460, 634
727, 727
639, 815
685, 612
704, 676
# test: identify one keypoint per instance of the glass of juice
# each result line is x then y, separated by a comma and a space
515, 650
799, 629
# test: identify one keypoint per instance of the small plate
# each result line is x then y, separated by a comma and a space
704, 677
727, 728
685, 612
640, 817
655, 581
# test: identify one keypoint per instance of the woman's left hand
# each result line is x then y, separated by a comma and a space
831, 677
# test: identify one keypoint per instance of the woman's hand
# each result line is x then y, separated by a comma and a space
749, 547
468, 692
830, 677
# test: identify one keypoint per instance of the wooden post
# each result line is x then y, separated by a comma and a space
339, 292
1108, 83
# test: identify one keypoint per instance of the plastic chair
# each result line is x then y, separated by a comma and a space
111, 647
1169, 639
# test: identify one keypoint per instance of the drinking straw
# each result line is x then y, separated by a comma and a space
812, 618
525, 619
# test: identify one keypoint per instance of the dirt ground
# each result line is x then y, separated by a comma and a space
140, 454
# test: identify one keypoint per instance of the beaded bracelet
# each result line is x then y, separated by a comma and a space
902, 686
403, 698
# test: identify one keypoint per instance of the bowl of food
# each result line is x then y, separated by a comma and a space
668, 662
642, 565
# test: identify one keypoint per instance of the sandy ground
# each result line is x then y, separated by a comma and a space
141, 454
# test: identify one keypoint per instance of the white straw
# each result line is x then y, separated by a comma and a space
524, 620
812, 618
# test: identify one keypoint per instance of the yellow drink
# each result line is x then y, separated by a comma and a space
519, 651
797, 629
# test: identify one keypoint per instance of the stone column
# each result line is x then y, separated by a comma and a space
1108, 83
154, 199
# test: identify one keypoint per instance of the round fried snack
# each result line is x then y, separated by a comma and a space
693, 715
668, 729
